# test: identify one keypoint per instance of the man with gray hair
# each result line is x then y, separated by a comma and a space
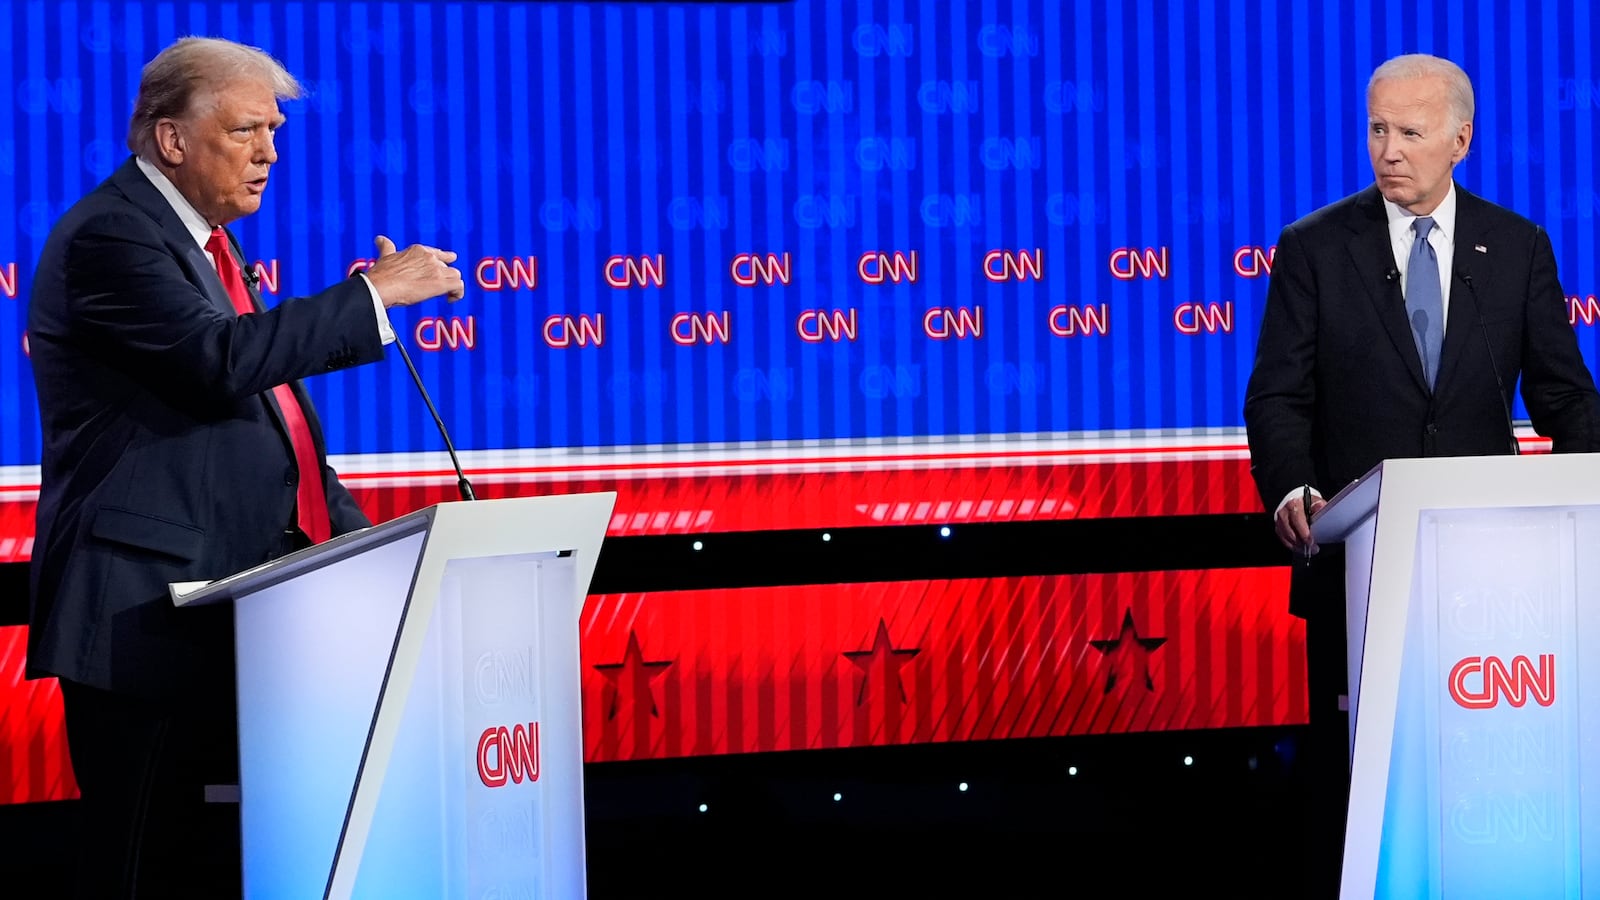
178, 446
1397, 321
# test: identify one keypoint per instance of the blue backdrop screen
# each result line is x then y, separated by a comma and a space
705, 223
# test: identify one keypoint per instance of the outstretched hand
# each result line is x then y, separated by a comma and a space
415, 274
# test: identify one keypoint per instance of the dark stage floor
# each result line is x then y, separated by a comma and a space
1112, 816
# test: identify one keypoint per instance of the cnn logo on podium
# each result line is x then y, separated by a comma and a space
508, 754
1481, 682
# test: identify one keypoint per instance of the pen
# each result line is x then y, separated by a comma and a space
1305, 506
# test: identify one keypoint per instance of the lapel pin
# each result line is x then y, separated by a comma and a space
1480, 248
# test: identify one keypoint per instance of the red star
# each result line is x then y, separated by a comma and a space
884, 659
1120, 658
632, 676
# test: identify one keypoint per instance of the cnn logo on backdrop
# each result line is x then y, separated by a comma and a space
508, 754
1481, 682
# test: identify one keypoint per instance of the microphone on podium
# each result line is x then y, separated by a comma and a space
463, 486
1494, 365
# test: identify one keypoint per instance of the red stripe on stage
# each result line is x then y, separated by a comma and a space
757, 501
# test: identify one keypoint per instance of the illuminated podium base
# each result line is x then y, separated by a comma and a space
409, 711
1473, 615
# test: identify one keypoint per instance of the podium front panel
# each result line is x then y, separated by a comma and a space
1490, 757
482, 794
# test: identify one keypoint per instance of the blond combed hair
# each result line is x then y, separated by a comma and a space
186, 76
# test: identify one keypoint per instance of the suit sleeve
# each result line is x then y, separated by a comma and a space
1557, 386
343, 513
134, 304
1280, 399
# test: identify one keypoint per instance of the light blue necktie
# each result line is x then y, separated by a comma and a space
1424, 301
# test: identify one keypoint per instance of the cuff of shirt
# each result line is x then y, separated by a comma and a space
1292, 495
385, 330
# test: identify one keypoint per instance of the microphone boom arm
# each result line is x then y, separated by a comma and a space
463, 487
1494, 365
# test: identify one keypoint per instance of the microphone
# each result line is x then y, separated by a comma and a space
463, 486
1494, 366
1392, 276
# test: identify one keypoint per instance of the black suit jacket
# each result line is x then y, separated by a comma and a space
164, 458
1338, 384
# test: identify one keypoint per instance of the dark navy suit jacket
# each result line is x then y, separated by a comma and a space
1338, 384
164, 458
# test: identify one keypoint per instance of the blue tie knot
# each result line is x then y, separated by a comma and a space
1422, 225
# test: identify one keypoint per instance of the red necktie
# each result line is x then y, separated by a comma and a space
311, 502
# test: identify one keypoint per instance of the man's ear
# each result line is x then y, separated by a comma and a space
170, 145
1463, 142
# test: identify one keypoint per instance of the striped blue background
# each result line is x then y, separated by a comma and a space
575, 131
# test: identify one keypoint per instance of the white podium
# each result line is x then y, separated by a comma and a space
409, 710
1473, 617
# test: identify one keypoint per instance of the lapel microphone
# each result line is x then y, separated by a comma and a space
1494, 366
251, 279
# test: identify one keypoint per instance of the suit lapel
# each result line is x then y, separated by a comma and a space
258, 306
1373, 257
210, 281
202, 274
1461, 322
295, 387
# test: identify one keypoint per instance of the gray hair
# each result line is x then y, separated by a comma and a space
190, 72
1458, 86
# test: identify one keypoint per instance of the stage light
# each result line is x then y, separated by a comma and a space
703, 807
944, 531
837, 797
699, 546
962, 786
1072, 770
1188, 760
826, 537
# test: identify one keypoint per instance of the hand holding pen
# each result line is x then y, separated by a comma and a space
1293, 521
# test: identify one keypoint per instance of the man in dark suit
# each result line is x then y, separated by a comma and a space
1398, 319
178, 445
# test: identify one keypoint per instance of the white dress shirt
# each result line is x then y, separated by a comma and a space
1442, 238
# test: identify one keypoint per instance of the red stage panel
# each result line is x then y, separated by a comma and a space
33, 738
16, 526
802, 668
797, 668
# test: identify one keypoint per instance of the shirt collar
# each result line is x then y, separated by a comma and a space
191, 218
1443, 215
